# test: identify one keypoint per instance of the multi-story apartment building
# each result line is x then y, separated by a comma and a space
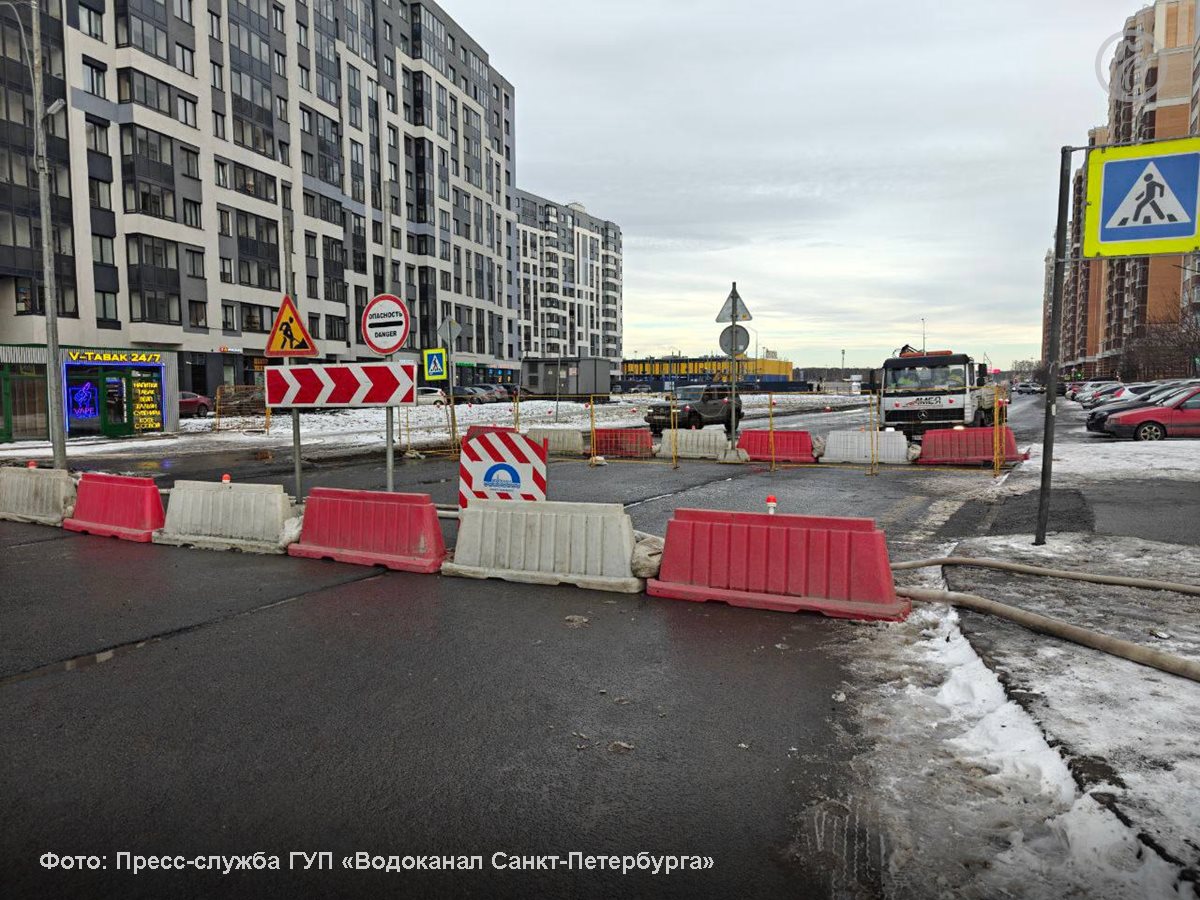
1153, 84
570, 272
213, 156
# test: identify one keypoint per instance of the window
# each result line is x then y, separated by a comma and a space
218, 76
219, 125
277, 17
138, 87
183, 10
185, 60
228, 316
227, 270
149, 199
314, 290
302, 34
310, 245
194, 260
305, 121
222, 169
106, 302
96, 134
280, 64
149, 305
91, 23
99, 192
226, 226
191, 162
387, 32
304, 82
185, 110
214, 24
191, 213
308, 163
281, 112
93, 80
197, 313
314, 325
102, 250
285, 155
335, 328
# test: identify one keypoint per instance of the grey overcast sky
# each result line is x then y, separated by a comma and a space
854, 166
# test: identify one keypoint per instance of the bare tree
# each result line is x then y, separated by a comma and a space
1163, 351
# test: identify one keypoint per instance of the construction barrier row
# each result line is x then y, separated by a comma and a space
680, 443
777, 446
835, 566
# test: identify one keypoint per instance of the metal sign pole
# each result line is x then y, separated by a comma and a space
451, 379
733, 380
289, 278
391, 450
1052, 364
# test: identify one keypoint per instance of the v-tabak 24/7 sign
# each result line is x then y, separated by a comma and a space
350, 385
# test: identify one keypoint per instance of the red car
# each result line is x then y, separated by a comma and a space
194, 404
1180, 417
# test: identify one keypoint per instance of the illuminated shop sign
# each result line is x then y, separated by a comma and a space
114, 356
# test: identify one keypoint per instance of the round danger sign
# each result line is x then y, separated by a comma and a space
385, 324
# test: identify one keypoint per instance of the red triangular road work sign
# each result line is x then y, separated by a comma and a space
288, 335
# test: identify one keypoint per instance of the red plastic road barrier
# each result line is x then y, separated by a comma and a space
965, 447
618, 442
790, 446
372, 528
119, 506
838, 567
474, 430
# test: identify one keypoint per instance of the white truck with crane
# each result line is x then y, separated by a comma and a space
923, 390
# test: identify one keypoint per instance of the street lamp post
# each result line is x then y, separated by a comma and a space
54, 390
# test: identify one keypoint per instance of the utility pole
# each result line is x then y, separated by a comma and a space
922, 335
54, 386
843, 372
288, 278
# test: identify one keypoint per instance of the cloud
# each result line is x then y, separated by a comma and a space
853, 169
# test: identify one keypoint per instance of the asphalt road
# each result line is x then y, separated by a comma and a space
162, 700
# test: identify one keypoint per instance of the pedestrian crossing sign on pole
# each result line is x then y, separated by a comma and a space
435, 364
288, 335
1143, 200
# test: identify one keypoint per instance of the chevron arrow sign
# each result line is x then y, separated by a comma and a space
342, 385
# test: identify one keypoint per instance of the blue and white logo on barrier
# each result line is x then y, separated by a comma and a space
502, 477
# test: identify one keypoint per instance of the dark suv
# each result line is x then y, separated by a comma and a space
696, 405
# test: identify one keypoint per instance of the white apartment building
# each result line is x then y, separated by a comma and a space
570, 281
213, 156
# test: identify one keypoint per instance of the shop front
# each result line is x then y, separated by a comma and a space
106, 392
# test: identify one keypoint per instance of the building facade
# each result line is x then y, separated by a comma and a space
1153, 86
215, 154
570, 271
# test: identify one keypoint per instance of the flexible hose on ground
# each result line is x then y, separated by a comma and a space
1147, 584
1164, 662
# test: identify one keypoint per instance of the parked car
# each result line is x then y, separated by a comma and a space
1125, 393
498, 391
194, 404
1094, 398
1074, 391
1162, 393
640, 389
431, 396
696, 405
1177, 417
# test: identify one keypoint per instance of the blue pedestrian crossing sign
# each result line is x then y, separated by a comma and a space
1143, 200
435, 364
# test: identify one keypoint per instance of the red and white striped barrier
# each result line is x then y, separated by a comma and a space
342, 384
501, 466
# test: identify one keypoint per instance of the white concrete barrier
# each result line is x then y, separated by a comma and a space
542, 542
559, 441
699, 444
40, 496
855, 447
216, 516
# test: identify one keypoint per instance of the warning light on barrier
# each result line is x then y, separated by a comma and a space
32, 464
960, 428
225, 479
771, 505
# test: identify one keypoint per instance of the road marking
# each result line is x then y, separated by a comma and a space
939, 514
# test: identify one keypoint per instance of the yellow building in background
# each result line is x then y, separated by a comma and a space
714, 368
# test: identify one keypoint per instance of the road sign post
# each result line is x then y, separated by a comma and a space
290, 338
385, 327
734, 311
448, 331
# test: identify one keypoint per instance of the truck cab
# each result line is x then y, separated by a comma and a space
936, 389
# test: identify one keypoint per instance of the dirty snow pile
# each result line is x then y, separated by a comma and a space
971, 798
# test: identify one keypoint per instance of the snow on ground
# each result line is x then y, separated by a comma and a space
1108, 460
975, 802
1126, 730
419, 427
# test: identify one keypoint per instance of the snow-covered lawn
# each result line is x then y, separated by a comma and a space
1101, 459
419, 427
